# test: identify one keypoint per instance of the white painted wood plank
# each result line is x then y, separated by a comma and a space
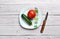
30, 37
18, 1
53, 20
7, 8
7, 20
18, 31
28, 1
25, 37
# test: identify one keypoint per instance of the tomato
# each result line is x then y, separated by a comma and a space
31, 14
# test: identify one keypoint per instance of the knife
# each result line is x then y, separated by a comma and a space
44, 23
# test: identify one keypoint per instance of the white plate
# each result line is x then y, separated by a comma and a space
35, 22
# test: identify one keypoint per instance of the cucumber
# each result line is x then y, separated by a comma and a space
28, 21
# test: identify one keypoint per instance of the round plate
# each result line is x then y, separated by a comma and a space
36, 22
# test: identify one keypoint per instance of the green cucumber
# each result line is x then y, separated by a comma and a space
28, 21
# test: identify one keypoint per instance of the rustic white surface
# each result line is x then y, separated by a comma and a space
9, 24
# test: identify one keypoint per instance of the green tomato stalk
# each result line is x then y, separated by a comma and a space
36, 9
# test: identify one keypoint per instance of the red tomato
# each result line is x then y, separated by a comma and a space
31, 14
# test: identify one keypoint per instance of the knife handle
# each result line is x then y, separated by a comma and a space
43, 26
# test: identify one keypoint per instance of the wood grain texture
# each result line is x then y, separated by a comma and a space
9, 24
18, 1
25, 37
29, 1
29, 37
18, 31
8, 8
7, 20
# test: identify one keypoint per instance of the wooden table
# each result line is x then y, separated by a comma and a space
9, 24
